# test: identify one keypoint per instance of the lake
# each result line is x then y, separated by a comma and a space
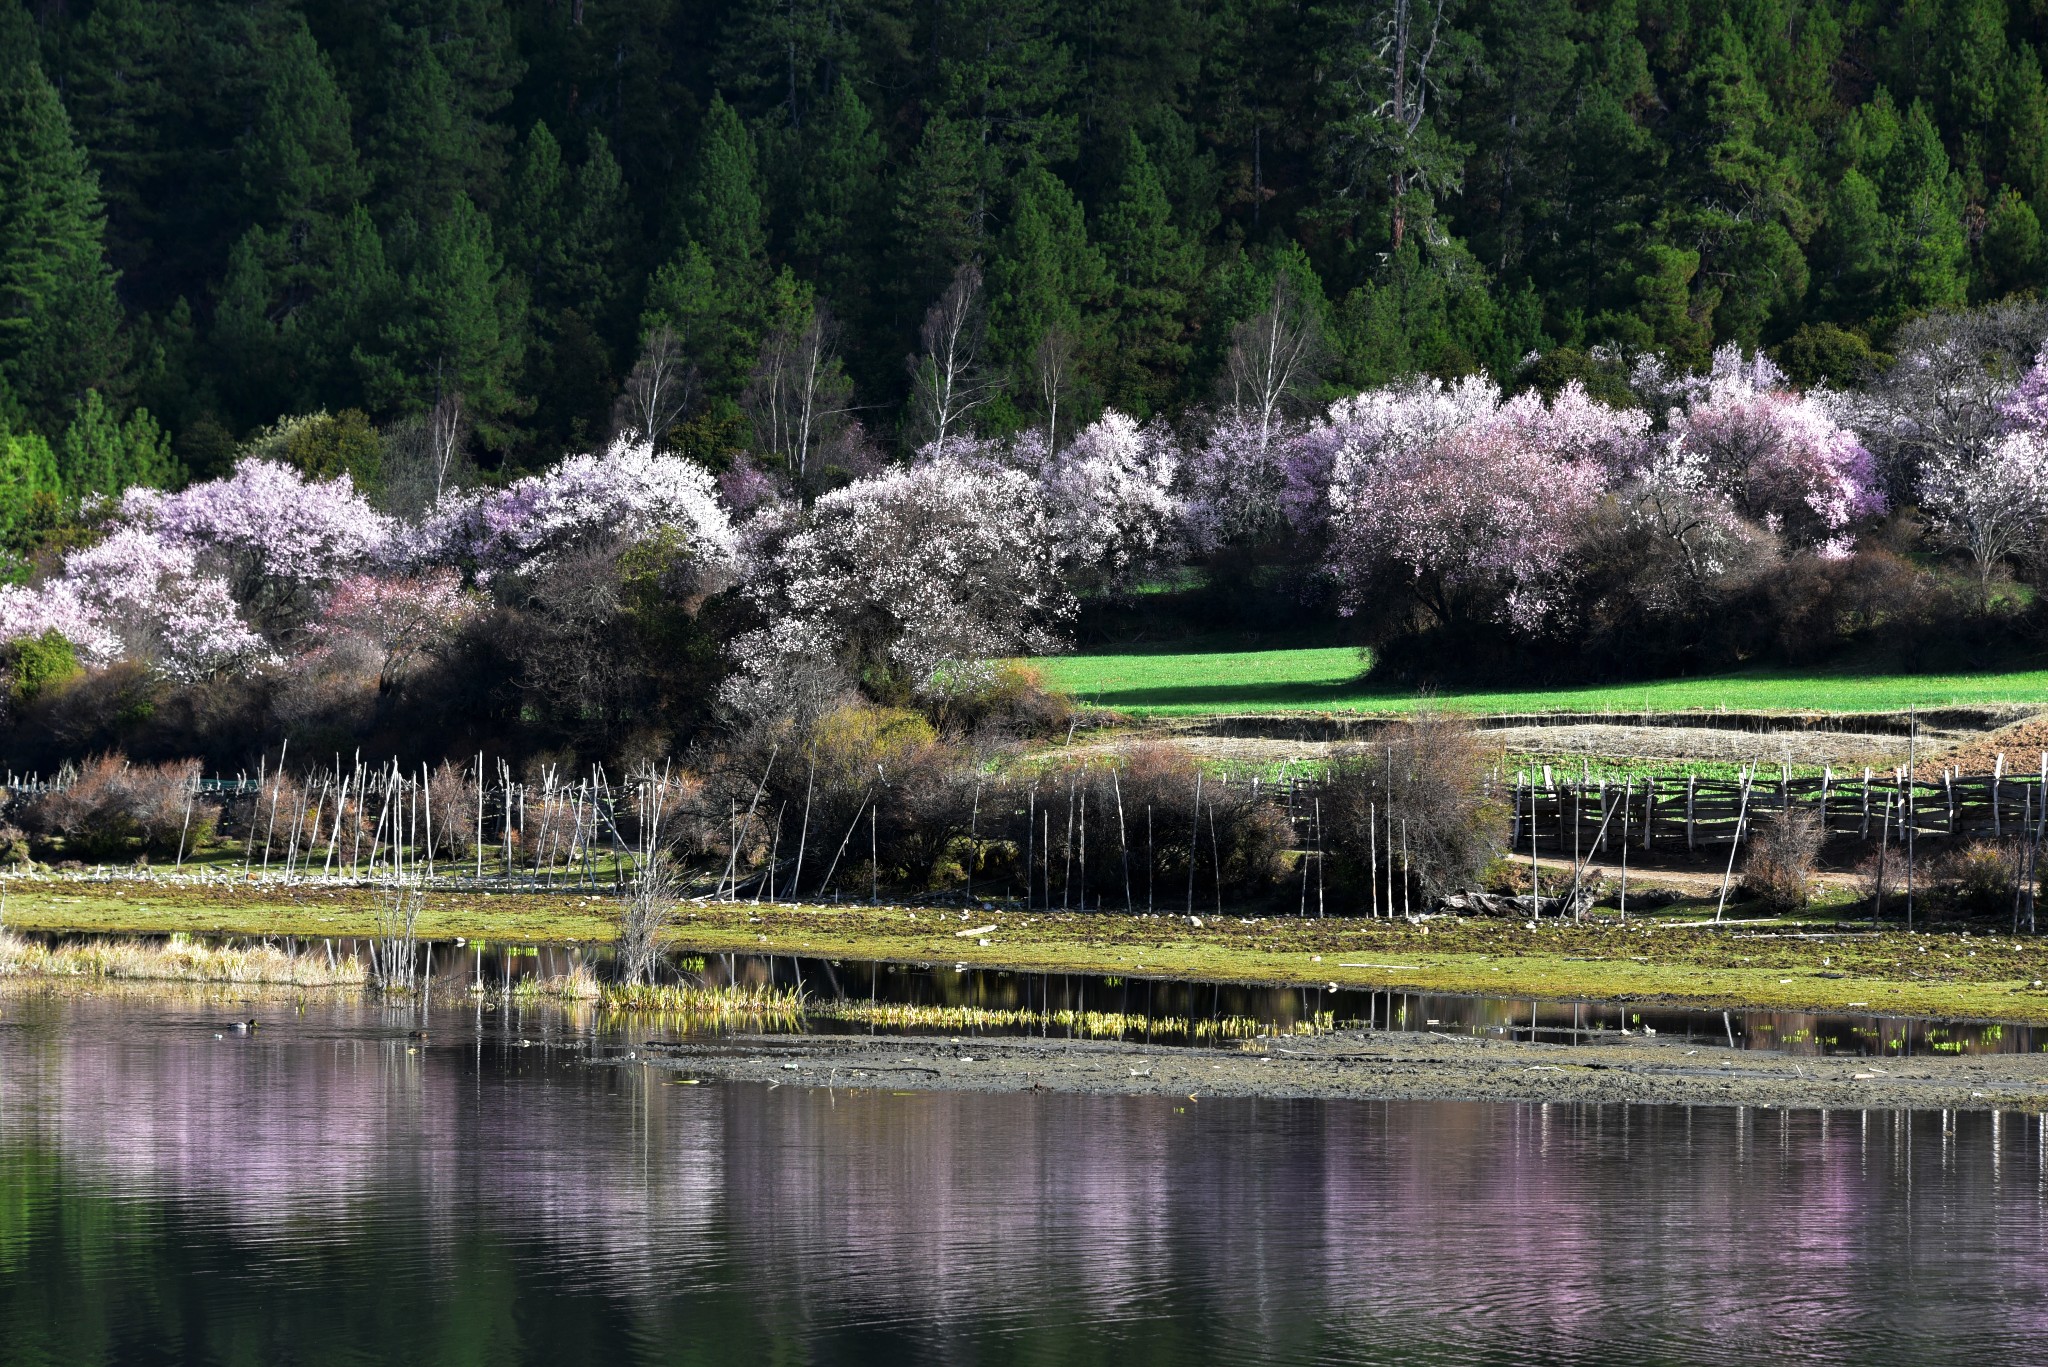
333, 1189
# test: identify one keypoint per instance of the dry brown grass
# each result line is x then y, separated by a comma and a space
174, 960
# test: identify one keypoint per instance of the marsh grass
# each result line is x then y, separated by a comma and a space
1086, 1024
175, 960
728, 1005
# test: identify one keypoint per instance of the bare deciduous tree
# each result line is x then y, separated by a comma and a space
660, 389
426, 456
1053, 362
1274, 358
950, 381
799, 395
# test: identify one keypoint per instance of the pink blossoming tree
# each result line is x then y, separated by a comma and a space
400, 618
277, 537
1780, 458
138, 596
924, 573
626, 492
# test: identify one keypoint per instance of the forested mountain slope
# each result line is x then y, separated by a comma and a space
213, 214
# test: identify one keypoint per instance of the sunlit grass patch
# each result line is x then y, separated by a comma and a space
1334, 678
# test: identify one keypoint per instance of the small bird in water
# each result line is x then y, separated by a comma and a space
245, 1027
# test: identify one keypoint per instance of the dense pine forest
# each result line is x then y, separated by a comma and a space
215, 215
603, 378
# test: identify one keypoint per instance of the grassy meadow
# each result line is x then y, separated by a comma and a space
1193, 681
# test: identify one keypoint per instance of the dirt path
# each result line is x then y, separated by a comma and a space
1364, 1065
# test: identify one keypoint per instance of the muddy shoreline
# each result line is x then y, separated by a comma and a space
1361, 1065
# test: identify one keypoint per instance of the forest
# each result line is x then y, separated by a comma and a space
586, 379
221, 214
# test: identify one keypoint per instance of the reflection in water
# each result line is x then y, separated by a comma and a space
334, 1190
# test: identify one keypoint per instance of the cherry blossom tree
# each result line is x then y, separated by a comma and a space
1108, 494
401, 618
277, 537
137, 595
1781, 458
1474, 522
56, 606
627, 492
921, 573
1236, 482
1991, 507
1951, 391
1383, 424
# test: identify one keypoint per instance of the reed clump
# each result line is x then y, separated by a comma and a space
730, 1004
579, 984
1088, 1024
176, 960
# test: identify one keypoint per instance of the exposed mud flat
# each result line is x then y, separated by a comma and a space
1365, 1065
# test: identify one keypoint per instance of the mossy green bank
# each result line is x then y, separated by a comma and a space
1672, 958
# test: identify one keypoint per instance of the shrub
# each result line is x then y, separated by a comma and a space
1978, 879
35, 664
451, 800
1136, 823
112, 803
1420, 791
1783, 849
1013, 704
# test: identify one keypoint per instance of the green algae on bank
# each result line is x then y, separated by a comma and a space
1674, 957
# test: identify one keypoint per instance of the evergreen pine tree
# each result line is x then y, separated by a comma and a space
299, 169
425, 154
460, 329
714, 292
29, 484
120, 90
59, 319
838, 217
1044, 275
102, 455
939, 211
1153, 271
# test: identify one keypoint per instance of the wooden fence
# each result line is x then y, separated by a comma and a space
1685, 815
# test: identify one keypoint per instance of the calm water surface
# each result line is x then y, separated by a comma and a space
332, 1190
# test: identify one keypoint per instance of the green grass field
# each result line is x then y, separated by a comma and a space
1330, 678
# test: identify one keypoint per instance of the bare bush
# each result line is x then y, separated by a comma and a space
394, 944
1783, 850
452, 803
1417, 797
112, 803
646, 910
1153, 832
1978, 879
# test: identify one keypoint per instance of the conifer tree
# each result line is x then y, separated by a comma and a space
460, 329
838, 209
102, 455
121, 90
59, 320
1045, 275
1153, 270
29, 483
713, 294
940, 209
